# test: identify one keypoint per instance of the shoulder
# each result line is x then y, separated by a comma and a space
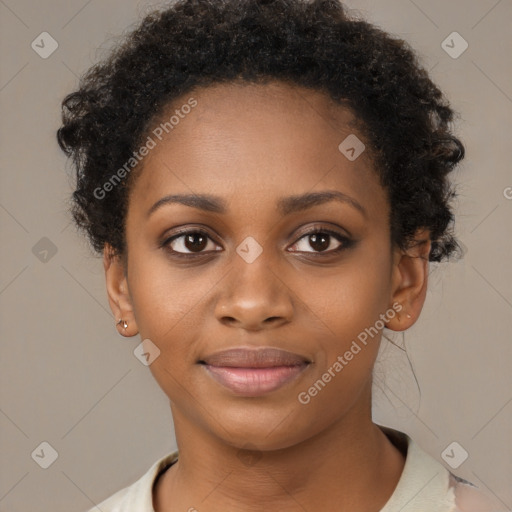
137, 497
469, 498
426, 484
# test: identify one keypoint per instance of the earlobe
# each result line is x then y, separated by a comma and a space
118, 293
409, 281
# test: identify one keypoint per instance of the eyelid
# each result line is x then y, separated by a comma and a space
324, 227
185, 230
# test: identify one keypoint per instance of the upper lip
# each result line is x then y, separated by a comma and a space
244, 357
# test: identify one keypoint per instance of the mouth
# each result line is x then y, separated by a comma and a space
255, 371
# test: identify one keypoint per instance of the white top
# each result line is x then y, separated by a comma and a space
425, 485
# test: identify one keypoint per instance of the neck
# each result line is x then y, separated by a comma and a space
332, 470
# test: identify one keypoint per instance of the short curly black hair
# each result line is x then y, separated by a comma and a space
403, 116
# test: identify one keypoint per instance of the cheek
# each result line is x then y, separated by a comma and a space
352, 297
345, 357
167, 305
347, 307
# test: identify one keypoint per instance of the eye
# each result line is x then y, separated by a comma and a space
321, 241
189, 242
197, 242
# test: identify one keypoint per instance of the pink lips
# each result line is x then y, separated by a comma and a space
253, 372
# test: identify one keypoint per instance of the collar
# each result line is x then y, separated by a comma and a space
423, 485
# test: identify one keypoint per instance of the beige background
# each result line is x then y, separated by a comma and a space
67, 378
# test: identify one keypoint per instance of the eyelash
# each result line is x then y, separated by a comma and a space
345, 242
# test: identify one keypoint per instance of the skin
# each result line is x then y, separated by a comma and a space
252, 145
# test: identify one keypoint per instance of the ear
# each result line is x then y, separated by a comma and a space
118, 293
409, 281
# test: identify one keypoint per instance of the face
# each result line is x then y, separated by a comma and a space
257, 258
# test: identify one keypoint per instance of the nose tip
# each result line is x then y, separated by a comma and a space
254, 323
254, 310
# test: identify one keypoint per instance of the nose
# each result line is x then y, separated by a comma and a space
255, 298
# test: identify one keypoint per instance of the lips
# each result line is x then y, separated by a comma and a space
254, 358
254, 372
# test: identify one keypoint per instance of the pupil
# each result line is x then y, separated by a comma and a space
191, 246
321, 246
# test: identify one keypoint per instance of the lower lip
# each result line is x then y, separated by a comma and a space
254, 381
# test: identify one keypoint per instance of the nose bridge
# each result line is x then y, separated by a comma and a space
254, 296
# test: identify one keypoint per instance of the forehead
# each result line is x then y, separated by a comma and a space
249, 139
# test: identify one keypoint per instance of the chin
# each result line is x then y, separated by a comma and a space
262, 428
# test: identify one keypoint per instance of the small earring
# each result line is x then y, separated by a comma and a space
408, 316
125, 324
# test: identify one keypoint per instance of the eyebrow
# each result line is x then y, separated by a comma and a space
285, 205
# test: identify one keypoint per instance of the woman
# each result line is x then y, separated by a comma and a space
267, 182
